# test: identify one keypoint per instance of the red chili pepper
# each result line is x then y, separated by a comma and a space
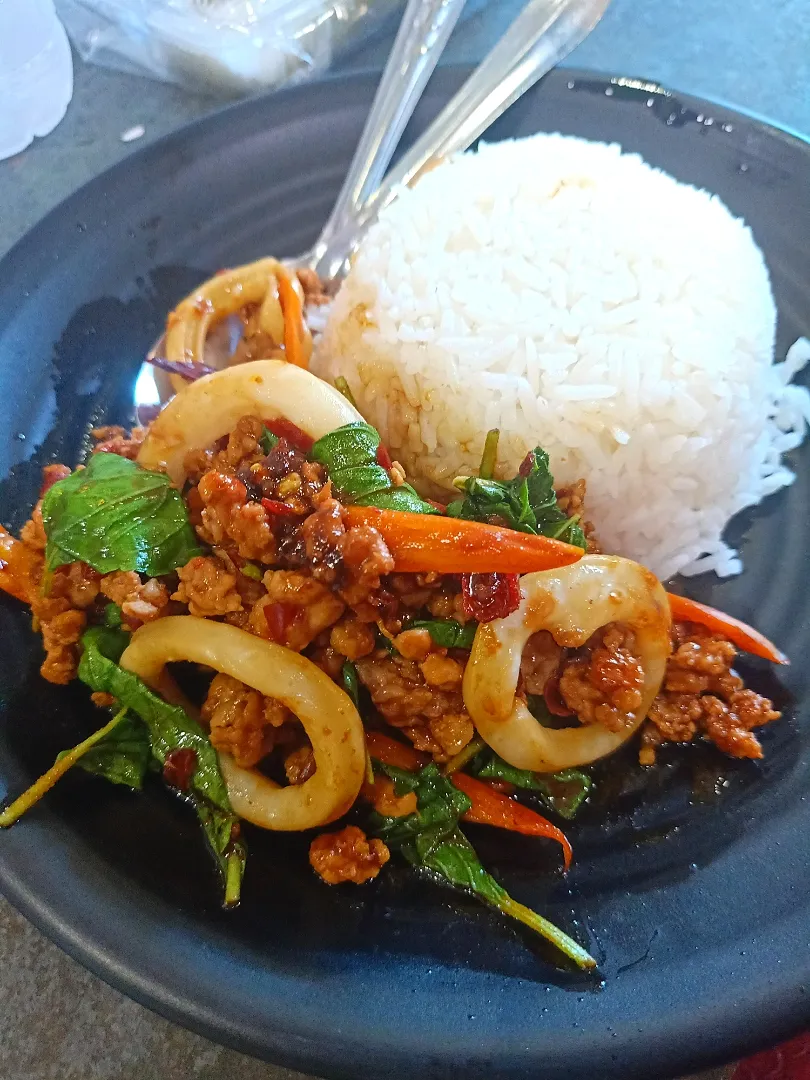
279, 618
489, 807
738, 633
384, 458
527, 464
489, 596
179, 766
286, 429
280, 509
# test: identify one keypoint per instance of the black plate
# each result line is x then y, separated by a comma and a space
693, 892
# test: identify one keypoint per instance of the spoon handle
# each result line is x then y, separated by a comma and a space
426, 25
542, 35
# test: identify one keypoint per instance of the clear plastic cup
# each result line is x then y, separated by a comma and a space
36, 72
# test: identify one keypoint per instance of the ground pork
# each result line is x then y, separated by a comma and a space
353, 639
540, 662
603, 684
299, 765
61, 626
703, 696
347, 855
296, 609
112, 439
433, 718
208, 587
140, 602
242, 721
229, 518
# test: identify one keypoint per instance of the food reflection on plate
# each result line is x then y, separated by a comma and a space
414, 534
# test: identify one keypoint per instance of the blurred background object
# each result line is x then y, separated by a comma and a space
231, 46
36, 72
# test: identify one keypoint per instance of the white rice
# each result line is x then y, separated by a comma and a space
578, 299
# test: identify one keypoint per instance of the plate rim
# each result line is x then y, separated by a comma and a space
80, 942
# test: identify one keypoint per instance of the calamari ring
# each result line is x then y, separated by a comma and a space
328, 715
206, 410
228, 293
572, 603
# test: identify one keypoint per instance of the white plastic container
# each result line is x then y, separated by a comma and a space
36, 72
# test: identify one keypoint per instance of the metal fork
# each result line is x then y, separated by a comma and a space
539, 38
542, 35
426, 25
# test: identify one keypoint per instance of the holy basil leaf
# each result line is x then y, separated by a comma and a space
431, 840
564, 792
449, 633
350, 456
350, 682
528, 503
267, 440
170, 728
114, 515
122, 756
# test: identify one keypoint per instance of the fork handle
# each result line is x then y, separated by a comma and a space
426, 25
542, 35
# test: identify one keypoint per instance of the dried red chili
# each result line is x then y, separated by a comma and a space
281, 509
384, 458
490, 596
179, 766
286, 429
279, 618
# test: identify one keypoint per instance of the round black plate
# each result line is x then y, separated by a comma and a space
692, 887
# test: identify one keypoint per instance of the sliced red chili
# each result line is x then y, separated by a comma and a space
490, 596
279, 618
286, 429
179, 766
527, 464
384, 458
280, 509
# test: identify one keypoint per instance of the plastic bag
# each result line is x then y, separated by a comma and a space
236, 46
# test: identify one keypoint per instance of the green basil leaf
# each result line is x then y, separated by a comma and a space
122, 756
349, 454
525, 503
346, 447
563, 792
431, 840
267, 440
114, 515
403, 498
449, 633
350, 682
170, 728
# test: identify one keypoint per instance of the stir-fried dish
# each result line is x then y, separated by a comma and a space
378, 667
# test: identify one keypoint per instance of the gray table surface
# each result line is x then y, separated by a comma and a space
58, 1021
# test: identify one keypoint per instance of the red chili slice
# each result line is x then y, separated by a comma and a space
384, 458
179, 766
527, 464
279, 617
280, 509
490, 596
286, 429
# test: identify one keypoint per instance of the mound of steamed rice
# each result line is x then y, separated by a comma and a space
576, 298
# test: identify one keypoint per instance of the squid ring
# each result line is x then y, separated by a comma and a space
327, 713
206, 410
226, 294
572, 603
